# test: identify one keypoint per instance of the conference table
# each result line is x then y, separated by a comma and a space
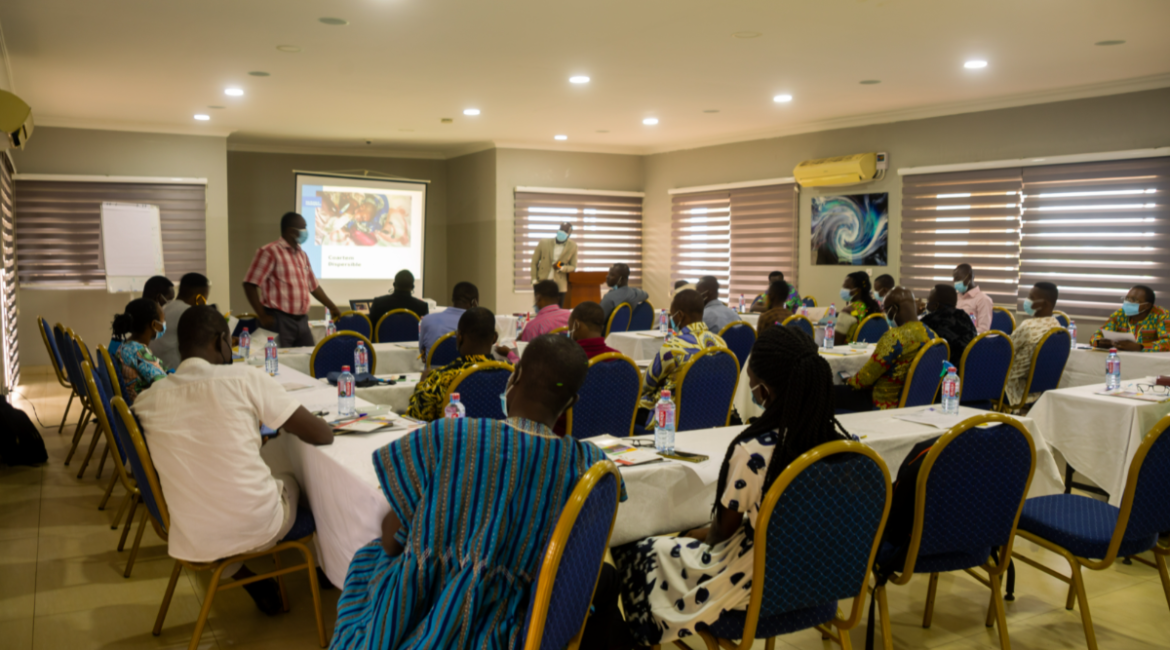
505, 325
1087, 366
846, 359
392, 358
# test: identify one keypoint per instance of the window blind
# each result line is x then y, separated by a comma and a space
1095, 230
9, 345
60, 229
700, 238
971, 217
607, 229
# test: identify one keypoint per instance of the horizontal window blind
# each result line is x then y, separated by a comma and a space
9, 344
607, 229
1095, 230
59, 226
700, 238
962, 217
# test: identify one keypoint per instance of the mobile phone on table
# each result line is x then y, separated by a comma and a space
843, 375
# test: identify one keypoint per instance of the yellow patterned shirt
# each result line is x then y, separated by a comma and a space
1153, 332
673, 355
887, 369
429, 398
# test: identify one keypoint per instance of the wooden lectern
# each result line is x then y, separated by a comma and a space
584, 286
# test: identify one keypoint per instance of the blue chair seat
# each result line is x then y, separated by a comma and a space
731, 622
1080, 524
304, 526
937, 563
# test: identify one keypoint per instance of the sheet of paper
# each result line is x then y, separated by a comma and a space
625, 454
1117, 336
1156, 398
932, 417
654, 334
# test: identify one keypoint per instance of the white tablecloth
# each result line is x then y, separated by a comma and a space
849, 364
639, 346
1087, 367
393, 358
396, 397
1097, 434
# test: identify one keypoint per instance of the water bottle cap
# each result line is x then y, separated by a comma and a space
665, 393
1112, 350
272, 338
345, 369
245, 330
454, 397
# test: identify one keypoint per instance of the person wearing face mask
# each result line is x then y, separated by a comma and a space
142, 322
160, 289
464, 296
549, 316
282, 272
224, 499
555, 258
1038, 306
883, 285
587, 327
971, 298
475, 336
194, 289
1149, 323
857, 294
715, 314
618, 280
879, 383
954, 325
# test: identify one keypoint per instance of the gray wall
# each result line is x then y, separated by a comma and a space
54, 150
471, 226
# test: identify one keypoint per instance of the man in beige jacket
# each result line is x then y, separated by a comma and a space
555, 258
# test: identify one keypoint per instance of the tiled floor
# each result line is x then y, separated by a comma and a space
61, 583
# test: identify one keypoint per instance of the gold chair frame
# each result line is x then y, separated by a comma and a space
938, 340
602, 358
857, 330
682, 375
471, 370
374, 331
609, 322
355, 313
735, 323
435, 346
82, 398
795, 317
971, 345
1009, 315
1005, 406
369, 347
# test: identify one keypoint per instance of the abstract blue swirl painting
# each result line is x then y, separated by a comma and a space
851, 229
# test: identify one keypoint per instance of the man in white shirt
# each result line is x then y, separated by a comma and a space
555, 258
971, 298
203, 429
194, 289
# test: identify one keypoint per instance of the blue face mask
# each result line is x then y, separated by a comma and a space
961, 287
158, 335
756, 400
1028, 308
302, 236
562, 236
1130, 308
673, 327
504, 403
846, 295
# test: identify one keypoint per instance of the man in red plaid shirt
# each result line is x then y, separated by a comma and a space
281, 270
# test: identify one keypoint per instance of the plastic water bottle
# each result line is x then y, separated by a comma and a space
1072, 333
741, 303
245, 343
361, 358
345, 397
950, 392
1112, 370
454, 408
271, 365
663, 325
830, 323
976, 324
519, 325
664, 424
330, 327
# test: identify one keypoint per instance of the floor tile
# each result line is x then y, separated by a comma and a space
17, 633
18, 574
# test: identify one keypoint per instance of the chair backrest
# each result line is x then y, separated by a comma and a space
1145, 503
706, 388
1003, 320
984, 368
107, 368
126, 426
619, 320
567, 577
871, 328
971, 488
69, 358
99, 397
336, 350
818, 532
1061, 318
559, 330
608, 400
924, 378
643, 317
739, 337
801, 323
1048, 361
809, 301
54, 354
246, 320
396, 326
355, 321
443, 351
479, 387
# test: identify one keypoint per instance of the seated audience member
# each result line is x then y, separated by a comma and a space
1149, 323
549, 315
954, 325
857, 294
142, 322
715, 314
194, 289
401, 298
587, 327
775, 315
879, 382
972, 299
702, 580
475, 336
159, 289
463, 297
882, 285
202, 425
690, 336
792, 303
618, 279
682, 285
1038, 306
427, 584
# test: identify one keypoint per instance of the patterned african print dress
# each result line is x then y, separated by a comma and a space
139, 369
670, 585
478, 500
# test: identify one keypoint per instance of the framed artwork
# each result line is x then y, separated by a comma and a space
851, 230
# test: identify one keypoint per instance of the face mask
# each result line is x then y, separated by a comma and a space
890, 318
846, 295
1028, 308
961, 287
756, 400
673, 326
1130, 308
504, 395
302, 236
562, 236
159, 334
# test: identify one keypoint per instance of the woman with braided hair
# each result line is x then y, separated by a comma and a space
857, 292
671, 585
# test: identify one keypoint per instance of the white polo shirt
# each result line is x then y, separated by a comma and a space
202, 425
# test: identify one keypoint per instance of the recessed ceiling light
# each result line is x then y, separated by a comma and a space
446, 120
233, 92
215, 107
333, 21
782, 99
711, 110
742, 35
259, 73
201, 117
975, 64
560, 137
870, 82
650, 121
471, 111
1109, 43
291, 49
579, 79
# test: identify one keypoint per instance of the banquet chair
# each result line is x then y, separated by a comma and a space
739, 337
396, 326
559, 330
984, 369
871, 329
816, 537
969, 494
104, 374
443, 351
156, 510
355, 321
76, 383
809, 301
85, 357
336, 350
560, 601
643, 317
1091, 533
619, 320
58, 365
1047, 366
706, 389
924, 378
479, 387
250, 321
801, 323
1061, 318
608, 400
1003, 319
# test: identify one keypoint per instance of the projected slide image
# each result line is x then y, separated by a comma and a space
363, 219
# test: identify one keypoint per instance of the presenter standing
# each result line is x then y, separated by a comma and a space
281, 269
555, 258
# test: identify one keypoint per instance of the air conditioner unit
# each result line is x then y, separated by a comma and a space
15, 119
842, 170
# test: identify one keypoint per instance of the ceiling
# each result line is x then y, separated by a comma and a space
400, 66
